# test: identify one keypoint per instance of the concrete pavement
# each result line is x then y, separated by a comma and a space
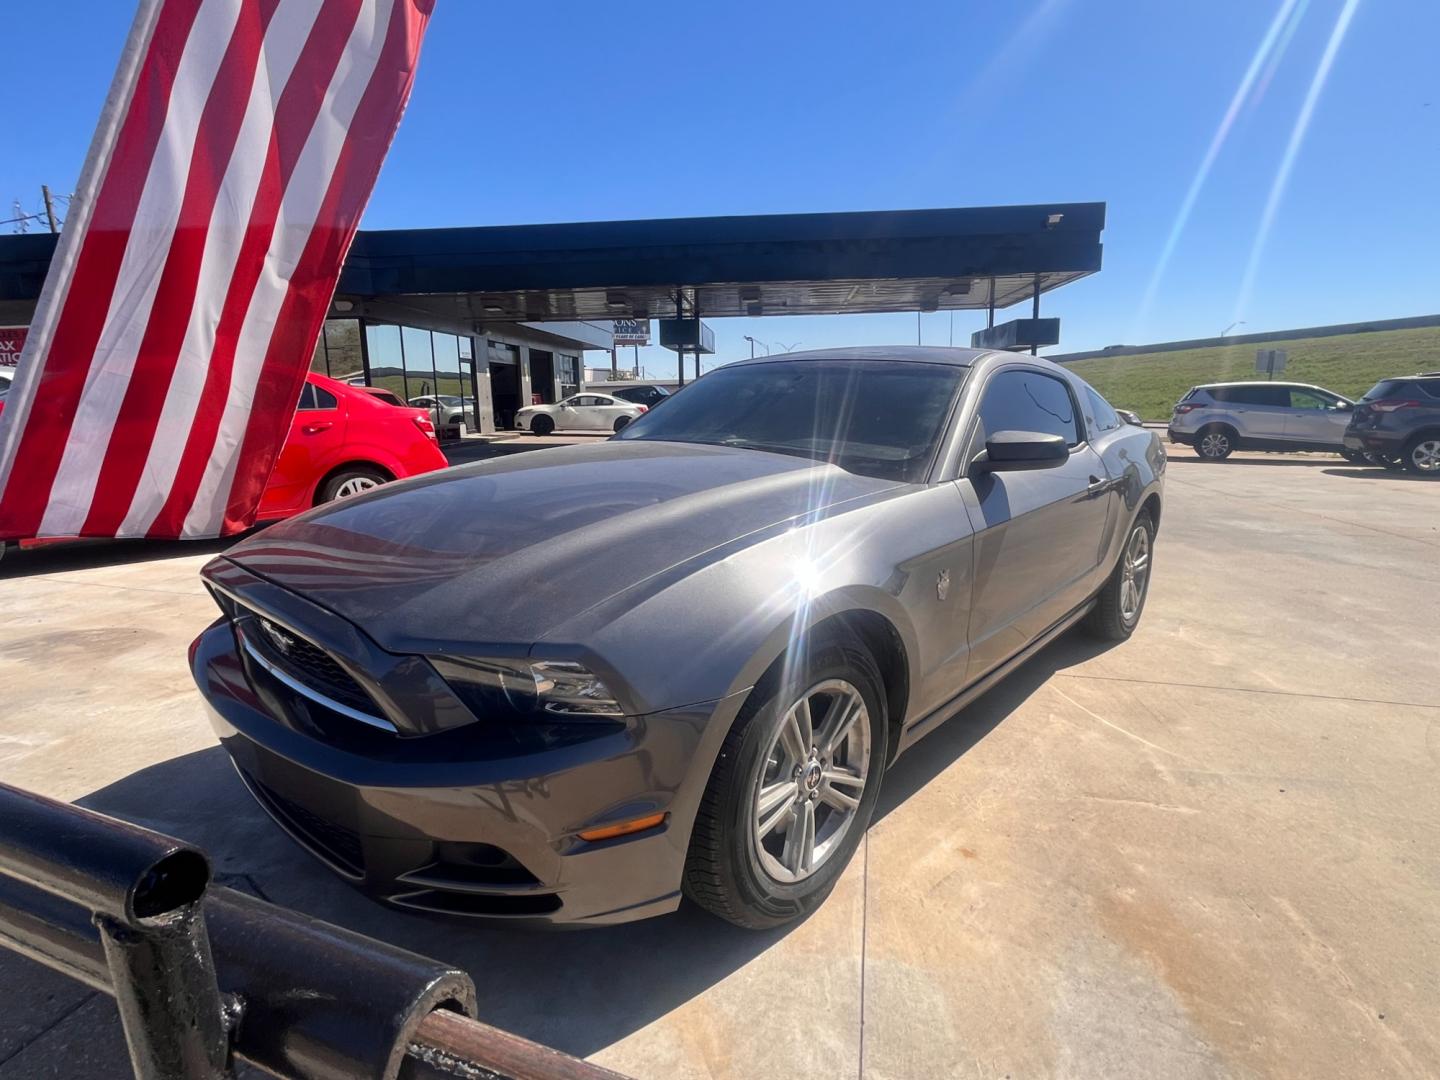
1210, 851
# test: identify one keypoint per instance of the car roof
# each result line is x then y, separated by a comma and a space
922, 354
1262, 382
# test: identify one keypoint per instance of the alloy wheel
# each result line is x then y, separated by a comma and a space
355, 485
1215, 445
1425, 456
1134, 574
815, 772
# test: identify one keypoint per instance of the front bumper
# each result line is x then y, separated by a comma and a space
425, 826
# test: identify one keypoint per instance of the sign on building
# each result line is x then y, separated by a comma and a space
12, 340
1270, 362
632, 331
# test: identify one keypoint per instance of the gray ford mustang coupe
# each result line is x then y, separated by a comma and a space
576, 684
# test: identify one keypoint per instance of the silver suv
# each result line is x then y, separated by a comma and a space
1220, 418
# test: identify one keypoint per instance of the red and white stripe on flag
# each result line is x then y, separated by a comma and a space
237, 149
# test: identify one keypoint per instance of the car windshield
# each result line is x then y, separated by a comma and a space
875, 418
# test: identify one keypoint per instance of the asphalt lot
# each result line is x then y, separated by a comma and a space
1211, 851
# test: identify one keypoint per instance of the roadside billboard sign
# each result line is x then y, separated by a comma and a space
632, 331
12, 340
1270, 362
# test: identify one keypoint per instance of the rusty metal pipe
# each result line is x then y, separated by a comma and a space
451, 1047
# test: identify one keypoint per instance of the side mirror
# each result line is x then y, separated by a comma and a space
1133, 419
1343, 406
1013, 451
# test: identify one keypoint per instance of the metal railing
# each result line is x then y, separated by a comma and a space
203, 975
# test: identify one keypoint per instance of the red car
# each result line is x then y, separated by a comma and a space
345, 440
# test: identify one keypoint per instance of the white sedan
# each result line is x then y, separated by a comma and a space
581, 412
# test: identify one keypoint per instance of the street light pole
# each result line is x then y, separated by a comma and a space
1232, 326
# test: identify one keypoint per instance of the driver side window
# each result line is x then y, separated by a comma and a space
1306, 399
1020, 400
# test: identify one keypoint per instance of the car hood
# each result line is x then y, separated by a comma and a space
504, 551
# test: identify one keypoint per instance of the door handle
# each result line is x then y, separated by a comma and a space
315, 429
1097, 486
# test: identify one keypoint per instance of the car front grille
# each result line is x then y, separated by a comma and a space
308, 664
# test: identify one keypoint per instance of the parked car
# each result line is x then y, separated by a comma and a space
448, 412
1398, 421
345, 440
1220, 418
812, 560
579, 412
647, 395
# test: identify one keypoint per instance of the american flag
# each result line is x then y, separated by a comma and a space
239, 144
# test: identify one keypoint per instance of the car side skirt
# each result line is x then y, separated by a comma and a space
913, 733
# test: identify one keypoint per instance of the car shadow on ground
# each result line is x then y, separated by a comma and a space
1379, 474
578, 991
1271, 460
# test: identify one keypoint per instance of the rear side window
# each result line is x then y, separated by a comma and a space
1020, 400
1430, 388
1098, 413
1278, 396
1390, 388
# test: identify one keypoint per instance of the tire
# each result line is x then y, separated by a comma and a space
620, 423
351, 480
1117, 612
1422, 454
541, 425
1216, 443
761, 881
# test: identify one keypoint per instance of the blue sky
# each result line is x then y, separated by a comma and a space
575, 111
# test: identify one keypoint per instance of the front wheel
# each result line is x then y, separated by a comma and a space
1118, 607
541, 425
793, 790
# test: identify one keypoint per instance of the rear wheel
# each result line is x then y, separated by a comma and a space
793, 790
1118, 607
1422, 455
351, 480
620, 422
541, 425
1215, 443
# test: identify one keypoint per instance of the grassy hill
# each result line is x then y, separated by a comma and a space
1349, 364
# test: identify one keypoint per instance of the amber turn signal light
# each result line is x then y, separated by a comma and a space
625, 828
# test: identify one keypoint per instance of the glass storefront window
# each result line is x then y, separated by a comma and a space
342, 349
386, 367
568, 373
419, 362
318, 363
448, 377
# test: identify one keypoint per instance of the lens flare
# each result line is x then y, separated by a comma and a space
1292, 151
1271, 47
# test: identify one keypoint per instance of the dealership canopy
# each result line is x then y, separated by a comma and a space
779, 264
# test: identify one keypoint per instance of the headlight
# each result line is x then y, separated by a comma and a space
527, 689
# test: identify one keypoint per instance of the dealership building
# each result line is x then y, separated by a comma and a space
506, 314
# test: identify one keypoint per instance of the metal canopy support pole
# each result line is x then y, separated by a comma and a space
695, 311
990, 321
1035, 313
680, 314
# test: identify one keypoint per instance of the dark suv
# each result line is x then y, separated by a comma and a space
1399, 421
